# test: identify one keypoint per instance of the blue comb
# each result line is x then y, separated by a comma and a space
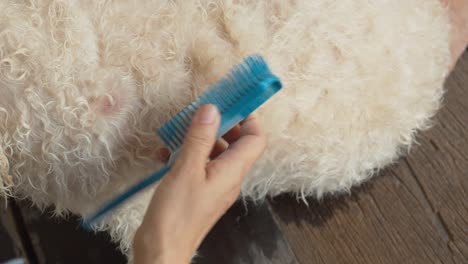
237, 95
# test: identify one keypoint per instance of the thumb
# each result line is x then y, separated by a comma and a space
200, 138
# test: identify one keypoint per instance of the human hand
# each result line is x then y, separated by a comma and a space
197, 191
458, 13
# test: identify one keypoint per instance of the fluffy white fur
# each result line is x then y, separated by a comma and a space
85, 84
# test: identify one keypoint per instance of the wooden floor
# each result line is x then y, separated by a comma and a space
416, 211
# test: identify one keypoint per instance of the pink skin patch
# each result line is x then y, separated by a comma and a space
115, 93
108, 105
105, 104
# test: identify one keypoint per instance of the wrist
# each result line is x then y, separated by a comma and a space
171, 258
161, 256
147, 250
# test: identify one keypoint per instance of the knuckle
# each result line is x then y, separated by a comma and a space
198, 140
184, 168
214, 168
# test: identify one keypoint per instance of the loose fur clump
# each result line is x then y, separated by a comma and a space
84, 85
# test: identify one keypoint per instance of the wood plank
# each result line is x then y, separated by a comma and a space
441, 166
381, 222
248, 236
11, 242
415, 212
63, 241
243, 235
7, 248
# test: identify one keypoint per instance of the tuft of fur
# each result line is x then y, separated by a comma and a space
6, 180
84, 85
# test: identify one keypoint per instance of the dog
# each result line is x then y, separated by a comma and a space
85, 85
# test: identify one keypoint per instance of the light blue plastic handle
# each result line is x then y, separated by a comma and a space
88, 222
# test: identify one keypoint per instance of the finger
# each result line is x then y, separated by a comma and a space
241, 155
251, 126
163, 154
219, 147
232, 135
200, 138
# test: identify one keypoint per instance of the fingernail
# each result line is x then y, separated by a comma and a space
207, 114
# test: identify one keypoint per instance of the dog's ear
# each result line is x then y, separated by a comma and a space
6, 181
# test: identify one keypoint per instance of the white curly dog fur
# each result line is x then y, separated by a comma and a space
85, 84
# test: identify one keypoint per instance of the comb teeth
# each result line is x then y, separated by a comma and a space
241, 85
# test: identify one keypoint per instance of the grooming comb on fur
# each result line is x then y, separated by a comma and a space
237, 95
